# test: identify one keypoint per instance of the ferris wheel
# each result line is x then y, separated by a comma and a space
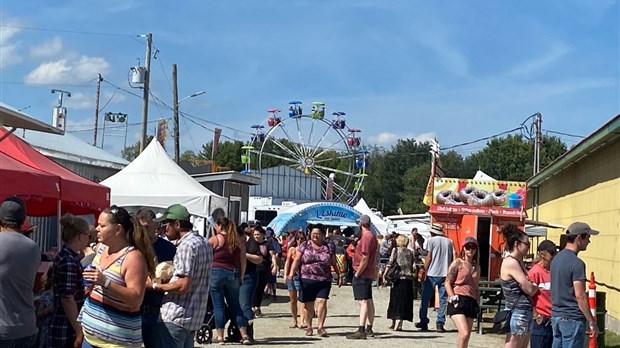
314, 144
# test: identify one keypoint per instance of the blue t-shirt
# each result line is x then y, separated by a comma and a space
164, 250
566, 268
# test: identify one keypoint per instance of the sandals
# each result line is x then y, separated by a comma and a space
400, 328
218, 341
309, 332
292, 326
322, 332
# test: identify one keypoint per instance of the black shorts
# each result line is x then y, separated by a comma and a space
466, 306
313, 289
362, 288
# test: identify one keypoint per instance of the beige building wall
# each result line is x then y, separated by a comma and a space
589, 191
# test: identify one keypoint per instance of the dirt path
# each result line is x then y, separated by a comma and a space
272, 328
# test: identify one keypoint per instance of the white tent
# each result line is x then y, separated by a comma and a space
155, 180
480, 175
363, 208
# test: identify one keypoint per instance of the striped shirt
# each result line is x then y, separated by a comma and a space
107, 321
193, 259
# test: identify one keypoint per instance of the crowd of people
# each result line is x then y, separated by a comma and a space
138, 279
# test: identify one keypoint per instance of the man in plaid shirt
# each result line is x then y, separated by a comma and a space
185, 305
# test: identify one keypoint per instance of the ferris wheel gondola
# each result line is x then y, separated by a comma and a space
316, 146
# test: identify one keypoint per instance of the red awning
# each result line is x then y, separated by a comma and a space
78, 195
39, 190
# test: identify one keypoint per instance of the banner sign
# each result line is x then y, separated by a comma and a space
479, 197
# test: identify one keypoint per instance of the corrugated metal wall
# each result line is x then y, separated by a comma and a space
96, 174
284, 183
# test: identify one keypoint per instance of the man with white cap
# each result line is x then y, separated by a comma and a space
569, 298
20, 258
440, 253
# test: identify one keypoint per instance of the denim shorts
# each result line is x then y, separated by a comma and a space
521, 322
293, 284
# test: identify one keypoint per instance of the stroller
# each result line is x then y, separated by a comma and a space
204, 335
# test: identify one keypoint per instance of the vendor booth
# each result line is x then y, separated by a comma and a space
479, 209
326, 213
76, 194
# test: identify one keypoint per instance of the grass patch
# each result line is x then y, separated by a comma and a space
612, 340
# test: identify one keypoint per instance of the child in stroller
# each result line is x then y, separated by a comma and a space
204, 335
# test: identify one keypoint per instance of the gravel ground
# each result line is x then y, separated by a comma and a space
272, 329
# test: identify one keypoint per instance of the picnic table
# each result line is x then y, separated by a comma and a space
490, 298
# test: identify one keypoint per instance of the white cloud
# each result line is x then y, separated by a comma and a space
388, 139
68, 70
542, 62
8, 48
48, 48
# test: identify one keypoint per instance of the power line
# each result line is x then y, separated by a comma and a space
65, 31
483, 139
562, 133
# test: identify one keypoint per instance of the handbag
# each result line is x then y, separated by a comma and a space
501, 320
393, 273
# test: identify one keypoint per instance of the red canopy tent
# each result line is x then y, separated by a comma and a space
78, 195
39, 190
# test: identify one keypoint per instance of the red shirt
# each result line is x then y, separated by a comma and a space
541, 277
367, 245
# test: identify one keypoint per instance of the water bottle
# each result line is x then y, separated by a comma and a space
87, 282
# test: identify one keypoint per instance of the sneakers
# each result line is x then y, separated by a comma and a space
422, 327
357, 336
440, 328
369, 333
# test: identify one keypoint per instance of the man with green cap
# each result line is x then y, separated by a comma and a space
185, 303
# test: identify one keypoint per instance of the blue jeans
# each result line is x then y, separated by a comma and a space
150, 335
224, 289
542, 335
427, 293
19, 342
568, 333
175, 336
246, 294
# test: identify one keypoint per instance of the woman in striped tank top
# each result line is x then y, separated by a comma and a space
517, 287
124, 258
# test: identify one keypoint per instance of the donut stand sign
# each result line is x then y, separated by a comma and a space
479, 197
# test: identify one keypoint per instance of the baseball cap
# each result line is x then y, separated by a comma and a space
547, 245
364, 220
577, 228
13, 209
470, 240
174, 212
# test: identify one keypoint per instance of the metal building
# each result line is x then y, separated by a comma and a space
78, 156
284, 183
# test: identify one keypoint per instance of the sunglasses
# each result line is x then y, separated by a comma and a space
470, 246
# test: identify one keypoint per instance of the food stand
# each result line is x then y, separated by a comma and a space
479, 209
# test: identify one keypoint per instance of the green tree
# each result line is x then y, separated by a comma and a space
132, 151
188, 155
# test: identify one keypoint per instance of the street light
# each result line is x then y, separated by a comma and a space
191, 96
176, 123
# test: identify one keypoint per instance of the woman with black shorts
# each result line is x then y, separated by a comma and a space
462, 290
316, 258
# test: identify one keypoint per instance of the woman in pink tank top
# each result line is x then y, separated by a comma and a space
462, 290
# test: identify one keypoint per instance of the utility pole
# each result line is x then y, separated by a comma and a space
175, 103
99, 79
145, 97
537, 142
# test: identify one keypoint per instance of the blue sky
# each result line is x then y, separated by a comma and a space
453, 70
